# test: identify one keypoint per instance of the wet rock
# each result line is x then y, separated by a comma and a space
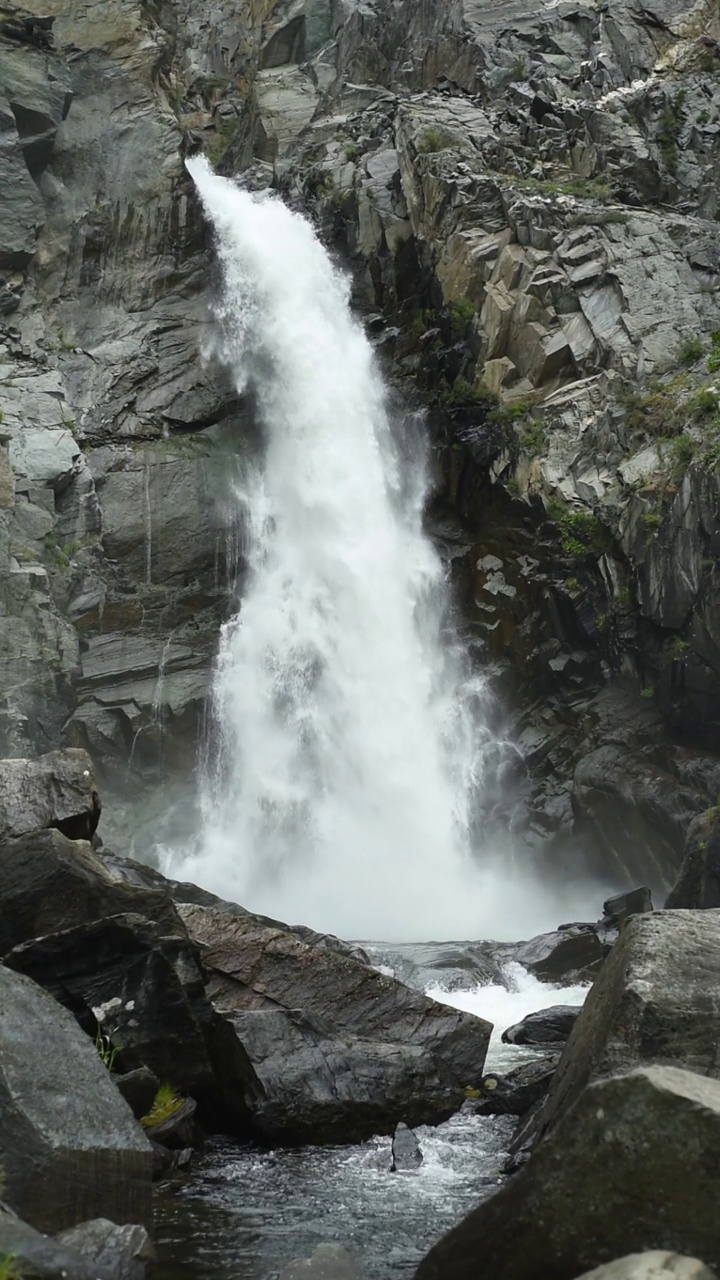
329, 1262
138, 1088
41, 1256
516, 1092
124, 1252
72, 1149
590, 1191
698, 884
178, 1131
406, 1151
657, 999
652, 1265
55, 790
571, 953
341, 1050
547, 1026
622, 905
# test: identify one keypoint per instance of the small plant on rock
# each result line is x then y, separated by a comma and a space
105, 1047
648, 692
462, 314
167, 1102
10, 1269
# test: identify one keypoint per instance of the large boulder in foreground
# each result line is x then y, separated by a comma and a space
71, 1147
364, 1052
652, 1265
657, 999
633, 1166
55, 790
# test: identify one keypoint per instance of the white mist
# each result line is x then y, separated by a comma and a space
347, 755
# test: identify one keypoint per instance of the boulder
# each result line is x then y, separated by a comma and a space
49, 883
71, 1147
652, 1265
56, 790
178, 1131
657, 999
515, 1093
569, 954
547, 1026
138, 1088
406, 1152
634, 902
329, 1262
144, 988
125, 1251
340, 1049
592, 1190
41, 1256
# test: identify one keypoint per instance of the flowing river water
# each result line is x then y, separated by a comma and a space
245, 1213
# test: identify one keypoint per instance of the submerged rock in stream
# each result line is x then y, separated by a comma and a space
329, 1262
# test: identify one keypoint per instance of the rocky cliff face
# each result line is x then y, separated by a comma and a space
528, 198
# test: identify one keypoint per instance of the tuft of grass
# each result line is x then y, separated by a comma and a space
167, 1102
679, 646
106, 1049
648, 692
713, 363
533, 439
691, 349
434, 139
10, 1269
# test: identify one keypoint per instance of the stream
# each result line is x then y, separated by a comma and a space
246, 1212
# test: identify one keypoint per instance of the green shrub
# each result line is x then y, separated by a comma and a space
683, 451
462, 314
652, 520
533, 439
691, 349
648, 691
580, 531
679, 646
434, 139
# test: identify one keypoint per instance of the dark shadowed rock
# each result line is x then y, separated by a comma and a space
547, 1026
516, 1092
138, 1088
570, 953
652, 1265
146, 990
406, 1152
634, 902
71, 1148
592, 1191
657, 999
329, 1262
43, 1257
335, 1043
698, 882
55, 790
49, 883
125, 1252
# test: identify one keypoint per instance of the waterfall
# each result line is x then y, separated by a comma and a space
346, 749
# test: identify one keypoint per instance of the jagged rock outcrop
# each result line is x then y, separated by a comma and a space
530, 200
591, 1190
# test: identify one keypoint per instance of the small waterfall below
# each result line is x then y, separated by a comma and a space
347, 762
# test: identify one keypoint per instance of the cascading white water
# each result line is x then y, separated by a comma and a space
347, 754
